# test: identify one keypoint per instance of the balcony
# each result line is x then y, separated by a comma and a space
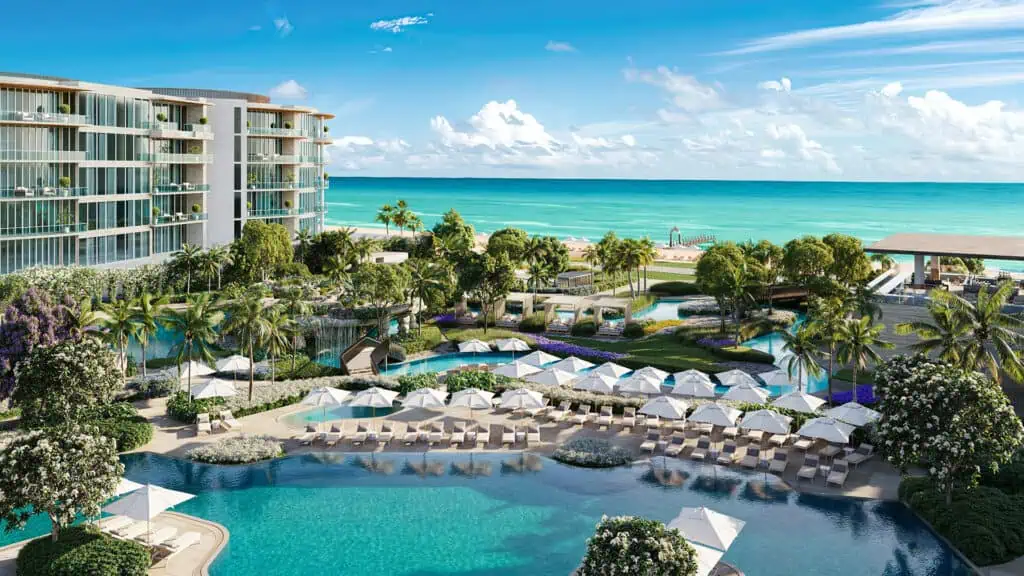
280, 159
43, 118
273, 213
68, 156
184, 187
274, 185
44, 230
171, 158
183, 131
179, 218
275, 132
43, 192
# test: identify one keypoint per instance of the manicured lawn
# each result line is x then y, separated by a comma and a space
651, 275
689, 265
665, 352
863, 376
464, 334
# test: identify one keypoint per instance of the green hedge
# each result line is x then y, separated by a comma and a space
475, 379
584, 328
674, 288
180, 408
633, 330
411, 382
129, 433
533, 324
83, 551
742, 354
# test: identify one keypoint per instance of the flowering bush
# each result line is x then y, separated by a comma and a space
242, 449
77, 282
638, 547
577, 397
32, 320
954, 422
559, 348
592, 453
446, 320
655, 327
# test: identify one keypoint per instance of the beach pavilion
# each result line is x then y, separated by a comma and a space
524, 299
950, 245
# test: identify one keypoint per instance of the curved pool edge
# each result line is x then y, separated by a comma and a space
221, 534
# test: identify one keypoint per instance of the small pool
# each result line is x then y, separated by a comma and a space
318, 415
773, 344
444, 362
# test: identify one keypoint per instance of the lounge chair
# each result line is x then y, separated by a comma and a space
652, 422
830, 451
778, 440
701, 451
186, 540
561, 412
605, 419
498, 435
228, 420
752, 457
675, 446
115, 523
582, 414
482, 436
532, 435
132, 531
423, 432
436, 433
307, 437
779, 462
754, 436
411, 435
203, 424
837, 475
361, 434
629, 417
458, 434
809, 470
699, 427
157, 536
803, 444
387, 433
728, 454
863, 453
535, 412
676, 425
651, 443
334, 436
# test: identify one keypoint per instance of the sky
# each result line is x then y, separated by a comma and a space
890, 90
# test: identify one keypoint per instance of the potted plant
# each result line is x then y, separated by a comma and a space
196, 208
194, 149
287, 125
203, 120
161, 117
288, 204
326, 128
156, 214
65, 109
65, 183
253, 180
66, 220
40, 109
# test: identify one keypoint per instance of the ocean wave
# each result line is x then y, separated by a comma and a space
349, 204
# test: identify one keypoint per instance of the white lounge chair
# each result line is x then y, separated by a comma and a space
532, 435
334, 436
228, 420
728, 455
803, 444
582, 414
809, 469
702, 450
436, 433
561, 412
458, 434
186, 540
752, 458
387, 433
411, 435
605, 419
203, 424
675, 445
837, 475
157, 536
482, 436
651, 443
779, 462
132, 531
307, 437
629, 417
863, 453
508, 436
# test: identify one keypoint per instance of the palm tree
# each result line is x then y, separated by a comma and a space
858, 339
425, 277
82, 318
120, 326
386, 216
414, 224
337, 268
946, 333
247, 322
629, 259
884, 261
802, 344
148, 311
539, 272
592, 255
401, 215
280, 329
739, 294
221, 258
362, 248
304, 239
209, 267
197, 323
827, 318
346, 237
295, 306
647, 252
188, 259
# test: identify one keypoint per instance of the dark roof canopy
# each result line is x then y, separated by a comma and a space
992, 247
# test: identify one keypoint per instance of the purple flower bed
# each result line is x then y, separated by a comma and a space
446, 320
716, 342
560, 348
865, 395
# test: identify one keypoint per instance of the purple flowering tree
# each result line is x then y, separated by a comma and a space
32, 320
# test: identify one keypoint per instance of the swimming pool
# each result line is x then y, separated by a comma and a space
318, 415
326, 514
442, 362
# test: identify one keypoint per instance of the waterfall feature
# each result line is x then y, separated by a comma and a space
332, 337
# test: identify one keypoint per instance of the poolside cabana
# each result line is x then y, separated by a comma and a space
524, 299
574, 279
624, 304
950, 245
575, 303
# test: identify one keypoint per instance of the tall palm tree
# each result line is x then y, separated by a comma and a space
647, 252
802, 344
739, 294
148, 311
827, 316
304, 239
82, 318
592, 255
337, 267
346, 238
414, 225
386, 216
629, 259
400, 217
884, 261
858, 339
208, 267
247, 322
280, 329
863, 302
187, 259
539, 272
362, 248
119, 324
221, 258
197, 323
295, 305
425, 278
946, 333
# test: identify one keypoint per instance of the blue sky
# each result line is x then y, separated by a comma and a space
857, 90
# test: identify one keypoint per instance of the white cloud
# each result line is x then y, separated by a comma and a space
553, 46
386, 49
255, 28
920, 17
396, 25
793, 138
783, 85
685, 92
355, 153
981, 46
288, 90
283, 26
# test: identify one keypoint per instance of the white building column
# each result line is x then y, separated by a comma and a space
918, 269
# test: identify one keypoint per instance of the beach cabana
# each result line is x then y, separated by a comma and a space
623, 304
553, 303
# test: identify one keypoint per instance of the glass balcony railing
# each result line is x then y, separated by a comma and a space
44, 230
285, 132
179, 188
44, 117
43, 192
41, 156
278, 185
179, 218
180, 129
171, 158
281, 159
273, 212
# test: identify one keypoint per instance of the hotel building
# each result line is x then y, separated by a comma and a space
99, 175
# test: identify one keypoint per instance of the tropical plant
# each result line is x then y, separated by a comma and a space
768, 259
247, 322
295, 304
146, 314
119, 326
304, 239
381, 287
337, 269
262, 248
864, 303
646, 254
827, 316
803, 346
488, 279
30, 321
278, 337
945, 334
858, 339
428, 283
197, 323
208, 267
187, 259
401, 216
717, 276
219, 257
737, 287
884, 261
539, 274
639, 547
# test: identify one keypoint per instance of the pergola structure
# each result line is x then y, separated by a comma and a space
576, 303
949, 245
523, 298
624, 304
574, 279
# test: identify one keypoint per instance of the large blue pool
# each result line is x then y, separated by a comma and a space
325, 514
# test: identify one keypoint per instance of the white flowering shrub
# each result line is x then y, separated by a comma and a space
242, 449
954, 422
592, 453
61, 472
637, 547
80, 282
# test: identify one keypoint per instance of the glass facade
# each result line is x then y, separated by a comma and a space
113, 248
123, 214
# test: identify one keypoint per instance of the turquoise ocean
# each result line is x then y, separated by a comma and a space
730, 210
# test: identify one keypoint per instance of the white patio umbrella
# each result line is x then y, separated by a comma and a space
474, 346
597, 383
539, 359
233, 363
146, 503
707, 559
853, 413
747, 393
651, 373
553, 377
799, 401
125, 486
374, 398
715, 414
214, 388
512, 345
691, 385
198, 369
827, 429
517, 369
611, 369
735, 378
572, 364
638, 384
522, 398
707, 527
325, 396
665, 407
425, 398
782, 378
766, 421
472, 398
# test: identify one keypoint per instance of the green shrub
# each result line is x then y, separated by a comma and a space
1009, 478
674, 288
411, 382
584, 328
128, 433
633, 330
533, 324
184, 410
83, 551
421, 340
292, 269
475, 379
742, 354
156, 388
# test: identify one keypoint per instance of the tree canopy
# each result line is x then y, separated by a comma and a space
455, 235
511, 242
639, 547
32, 320
380, 286
488, 279
716, 273
262, 248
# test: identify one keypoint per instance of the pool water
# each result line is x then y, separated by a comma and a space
326, 514
444, 362
318, 415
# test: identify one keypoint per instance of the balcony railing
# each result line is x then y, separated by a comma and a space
44, 117
180, 188
170, 158
44, 230
186, 129
43, 192
286, 132
41, 156
180, 218
273, 212
280, 159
